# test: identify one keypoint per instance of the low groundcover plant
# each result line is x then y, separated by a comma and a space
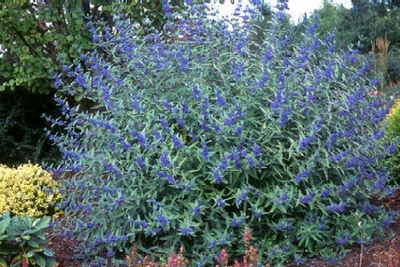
22, 241
198, 132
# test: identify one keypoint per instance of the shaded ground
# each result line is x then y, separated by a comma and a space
372, 255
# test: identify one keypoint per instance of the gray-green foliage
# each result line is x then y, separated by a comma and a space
193, 138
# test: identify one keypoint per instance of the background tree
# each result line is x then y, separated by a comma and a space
387, 3
34, 35
361, 27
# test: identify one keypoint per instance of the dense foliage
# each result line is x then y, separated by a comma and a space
28, 190
192, 138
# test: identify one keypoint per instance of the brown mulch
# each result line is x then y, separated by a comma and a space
371, 255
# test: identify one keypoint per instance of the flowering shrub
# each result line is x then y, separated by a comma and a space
29, 190
190, 140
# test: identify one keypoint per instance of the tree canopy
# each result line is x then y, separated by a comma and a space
34, 34
387, 3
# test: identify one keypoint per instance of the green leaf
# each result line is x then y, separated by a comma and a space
26, 220
33, 244
74, 15
79, 21
29, 254
43, 223
26, 237
3, 263
40, 260
47, 252
3, 237
50, 262
282, 208
4, 223
17, 263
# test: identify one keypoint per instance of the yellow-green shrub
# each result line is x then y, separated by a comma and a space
392, 131
28, 189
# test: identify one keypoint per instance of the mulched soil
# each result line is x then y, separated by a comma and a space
372, 255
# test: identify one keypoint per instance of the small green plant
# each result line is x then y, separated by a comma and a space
28, 189
22, 240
